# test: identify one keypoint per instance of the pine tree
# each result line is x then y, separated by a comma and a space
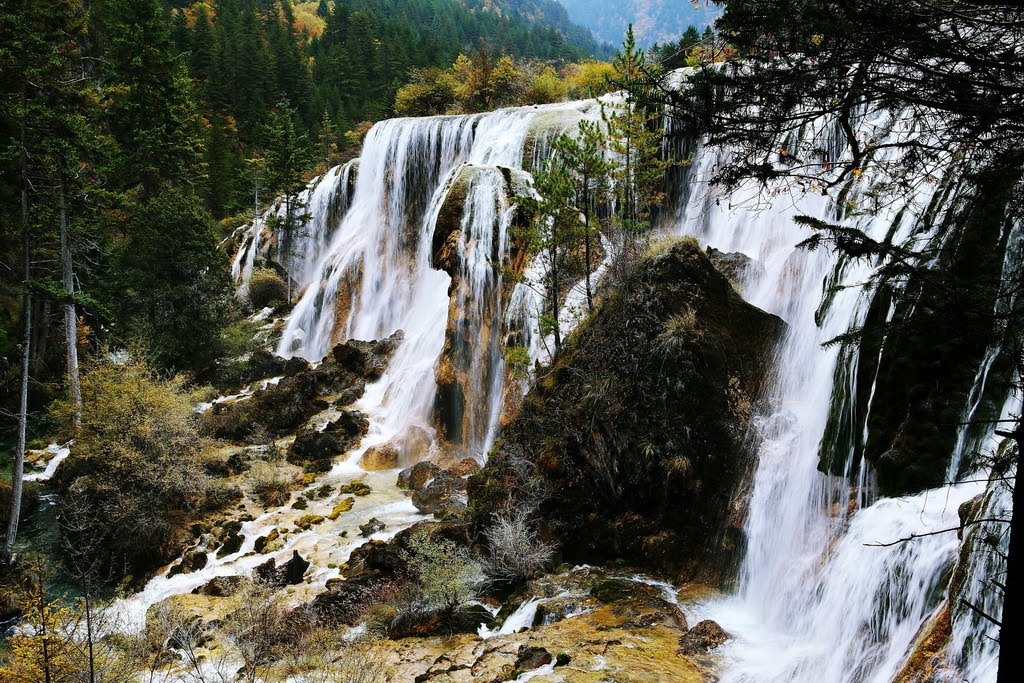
328, 140
554, 228
287, 157
152, 114
583, 155
634, 140
53, 115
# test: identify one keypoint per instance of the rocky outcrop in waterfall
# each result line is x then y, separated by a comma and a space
284, 403
635, 442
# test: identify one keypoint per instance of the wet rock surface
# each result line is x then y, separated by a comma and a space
220, 587
338, 437
416, 477
703, 638
288, 574
443, 493
635, 640
382, 457
281, 406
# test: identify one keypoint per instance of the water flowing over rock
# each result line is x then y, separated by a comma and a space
424, 247
817, 599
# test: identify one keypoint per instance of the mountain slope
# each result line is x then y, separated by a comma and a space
547, 13
653, 20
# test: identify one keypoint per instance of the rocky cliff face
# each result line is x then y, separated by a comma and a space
635, 443
930, 357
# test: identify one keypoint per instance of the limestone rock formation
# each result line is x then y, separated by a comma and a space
638, 435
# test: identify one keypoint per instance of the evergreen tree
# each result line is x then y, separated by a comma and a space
634, 141
168, 283
52, 111
554, 229
287, 158
583, 155
328, 141
152, 112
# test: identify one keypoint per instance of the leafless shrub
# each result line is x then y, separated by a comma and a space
327, 655
270, 485
515, 550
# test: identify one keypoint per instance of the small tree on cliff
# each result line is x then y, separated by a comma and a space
554, 228
634, 143
584, 156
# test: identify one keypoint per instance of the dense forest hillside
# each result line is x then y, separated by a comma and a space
333, 65
655, 21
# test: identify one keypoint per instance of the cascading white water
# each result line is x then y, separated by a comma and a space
818, 599
377, 275
317, 211
365, 260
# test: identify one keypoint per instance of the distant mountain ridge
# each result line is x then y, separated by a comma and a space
654, 21
547, 13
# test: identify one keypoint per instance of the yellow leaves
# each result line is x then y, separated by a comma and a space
817, 39
857, 172
46, 623
588, 78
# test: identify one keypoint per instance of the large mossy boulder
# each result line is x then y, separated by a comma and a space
638, 436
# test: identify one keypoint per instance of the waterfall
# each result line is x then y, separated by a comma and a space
420, 242
379, 271
819, 599
318, 207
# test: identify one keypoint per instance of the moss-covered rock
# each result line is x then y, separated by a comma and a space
344, 506
639, 432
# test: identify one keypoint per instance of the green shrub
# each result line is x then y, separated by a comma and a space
135, 477
447, 574
267, 288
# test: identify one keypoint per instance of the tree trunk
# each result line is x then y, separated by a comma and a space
18, 473
88, 633
554, 290
45, 631
1013, 598
70, 314
586, 242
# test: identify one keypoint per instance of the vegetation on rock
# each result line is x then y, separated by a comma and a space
638, 432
